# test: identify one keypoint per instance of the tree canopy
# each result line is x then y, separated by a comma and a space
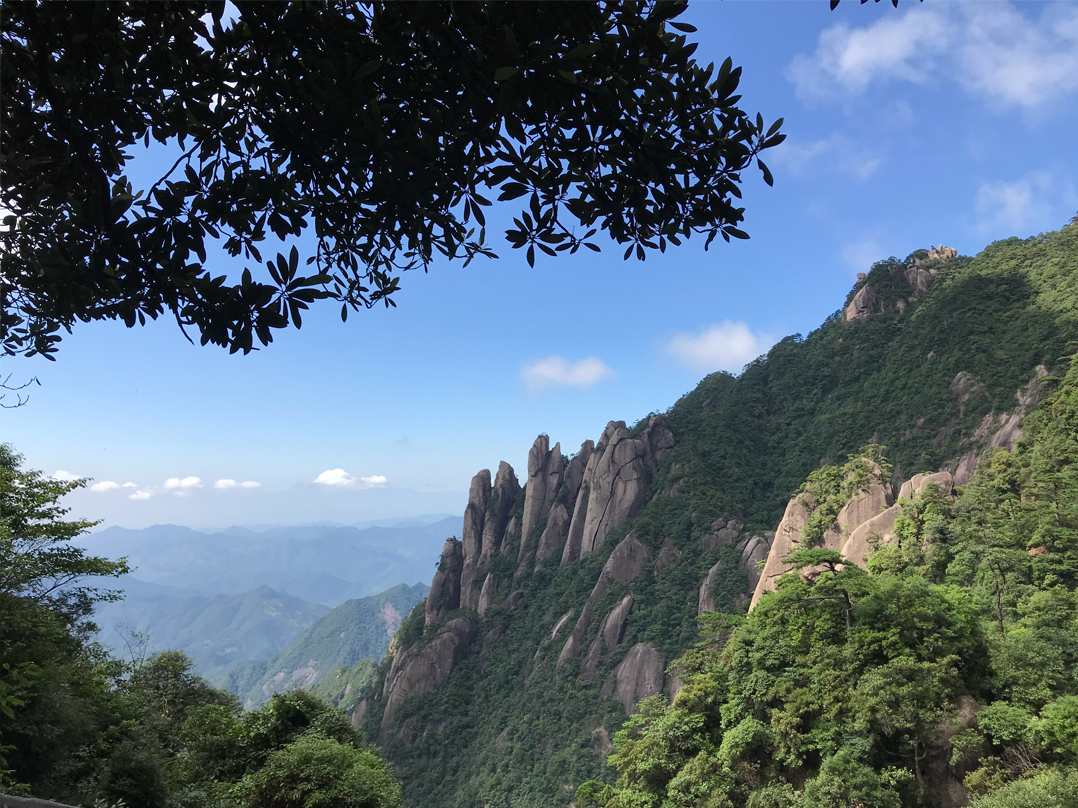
383, 129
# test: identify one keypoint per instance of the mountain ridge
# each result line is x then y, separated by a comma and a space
531, 681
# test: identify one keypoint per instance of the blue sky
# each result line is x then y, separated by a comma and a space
935, 122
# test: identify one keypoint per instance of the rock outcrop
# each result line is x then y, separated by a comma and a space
545, 467
636, 677
614, 483
444, 594
862, 306
472, 537
425, 666
995, 432
669, 555
611, 630
624, 564
919, 275
593, 494
867, 519
486, 519
861, 507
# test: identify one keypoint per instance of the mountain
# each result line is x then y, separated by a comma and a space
573, 589
214, 631
318, 564
357, 630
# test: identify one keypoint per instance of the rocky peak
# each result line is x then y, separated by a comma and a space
919, 275
444, 594
614, 484
545, 467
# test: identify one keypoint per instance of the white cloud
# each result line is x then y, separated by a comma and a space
340, 478
554, 371
141, 495
1036, 200
65, 476
130, 485
833, 152
1016, 61
185, 483
992, 50
105, 485
224, 484
848, 59
722, 346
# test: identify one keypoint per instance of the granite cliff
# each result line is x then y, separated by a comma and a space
572, 590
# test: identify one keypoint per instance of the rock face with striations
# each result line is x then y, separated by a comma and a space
424, 667
486, 519
568, 508
614, 483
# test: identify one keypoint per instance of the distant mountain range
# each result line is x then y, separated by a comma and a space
357, 630
213, 630
241, 595
316, 563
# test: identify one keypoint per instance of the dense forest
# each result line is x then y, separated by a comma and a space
942, 674
930, 377
957, 650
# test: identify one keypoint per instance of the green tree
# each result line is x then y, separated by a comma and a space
381, 127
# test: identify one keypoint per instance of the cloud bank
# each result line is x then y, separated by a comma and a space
229, 483
723, 346
556, 371
993, 51
339, 478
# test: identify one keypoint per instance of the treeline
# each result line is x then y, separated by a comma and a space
947, 671
83, 727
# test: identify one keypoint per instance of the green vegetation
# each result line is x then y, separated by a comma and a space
343, 687
953, 659
517, 731
594, 116
85, 728
358, 629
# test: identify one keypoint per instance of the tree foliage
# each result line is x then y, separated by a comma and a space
384, 129
83, 727
860, 688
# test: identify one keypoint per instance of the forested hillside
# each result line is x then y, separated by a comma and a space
570, 595
357, 630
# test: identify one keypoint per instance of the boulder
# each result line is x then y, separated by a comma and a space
862, 305
636, 677
444, 594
